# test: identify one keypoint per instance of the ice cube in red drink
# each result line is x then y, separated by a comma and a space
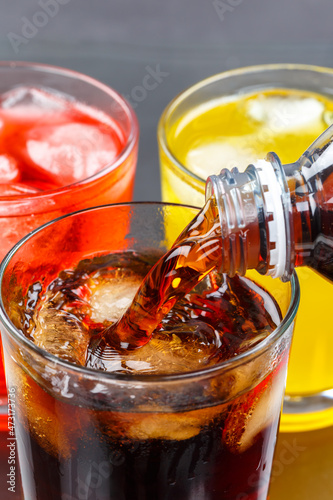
9, 171
56, 140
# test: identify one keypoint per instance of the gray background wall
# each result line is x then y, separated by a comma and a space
115, 40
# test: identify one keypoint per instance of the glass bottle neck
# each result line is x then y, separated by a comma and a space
256, 218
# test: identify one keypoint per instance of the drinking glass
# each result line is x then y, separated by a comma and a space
83, 433
114, 182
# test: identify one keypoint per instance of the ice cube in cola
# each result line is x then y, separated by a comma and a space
216, 451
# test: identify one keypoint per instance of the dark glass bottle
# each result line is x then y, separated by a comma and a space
276, 217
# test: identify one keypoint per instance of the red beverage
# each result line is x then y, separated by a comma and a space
67, 142
49, 141
192, 414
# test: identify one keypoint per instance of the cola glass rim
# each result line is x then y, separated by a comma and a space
233, 363
124, 105
204, 85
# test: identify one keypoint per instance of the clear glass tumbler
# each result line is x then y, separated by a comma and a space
229, 120
53, 112
82, 433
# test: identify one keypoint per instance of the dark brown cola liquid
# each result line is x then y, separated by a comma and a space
80, 452
311, 192
106, 468
195, 253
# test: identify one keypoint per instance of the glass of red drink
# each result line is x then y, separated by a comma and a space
168, 422
67, 142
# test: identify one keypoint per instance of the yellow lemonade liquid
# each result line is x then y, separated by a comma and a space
234, 131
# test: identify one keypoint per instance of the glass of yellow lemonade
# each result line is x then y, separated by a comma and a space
231, 120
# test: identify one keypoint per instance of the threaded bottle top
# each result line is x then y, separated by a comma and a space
254, 211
